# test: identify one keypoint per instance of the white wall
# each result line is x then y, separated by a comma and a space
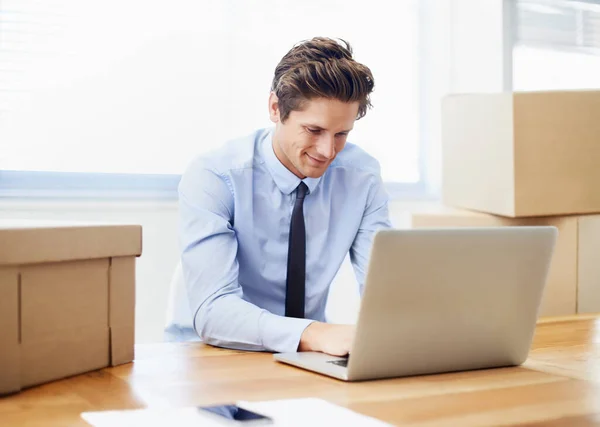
465, 47
160, 253
479, 46
465, 50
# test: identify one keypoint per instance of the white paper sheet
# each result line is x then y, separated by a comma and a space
311, 412
285, 413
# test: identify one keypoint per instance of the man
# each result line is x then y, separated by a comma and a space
267, 220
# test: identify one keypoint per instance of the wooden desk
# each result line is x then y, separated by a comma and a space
558, 386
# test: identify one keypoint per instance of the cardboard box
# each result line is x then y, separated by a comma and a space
574, 279
522, 154
67, 299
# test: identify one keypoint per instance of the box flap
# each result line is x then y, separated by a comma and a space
478, 152
29, 242
588, 286
564, 126
59, 296
68, 352
122, 309
10, 372
121, 344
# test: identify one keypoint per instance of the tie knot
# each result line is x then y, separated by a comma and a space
302, 190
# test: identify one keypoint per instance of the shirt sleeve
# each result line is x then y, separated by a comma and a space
375, 217
210, 270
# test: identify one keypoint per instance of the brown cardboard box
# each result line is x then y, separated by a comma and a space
67, 299
522, 154
574, 279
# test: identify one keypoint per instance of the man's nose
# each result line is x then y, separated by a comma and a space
326, 147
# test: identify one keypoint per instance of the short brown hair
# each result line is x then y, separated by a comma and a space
321, 68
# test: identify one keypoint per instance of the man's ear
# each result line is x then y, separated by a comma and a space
274, 108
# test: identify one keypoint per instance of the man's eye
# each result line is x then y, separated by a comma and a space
314, 131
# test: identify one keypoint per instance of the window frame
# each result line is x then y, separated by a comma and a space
83, 185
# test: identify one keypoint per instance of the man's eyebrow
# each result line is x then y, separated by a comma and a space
309, 125
320, 128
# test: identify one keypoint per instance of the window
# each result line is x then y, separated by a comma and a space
557, 45
138, 88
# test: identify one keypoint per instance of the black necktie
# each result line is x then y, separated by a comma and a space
296, 268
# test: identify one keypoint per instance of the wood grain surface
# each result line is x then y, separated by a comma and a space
559, 385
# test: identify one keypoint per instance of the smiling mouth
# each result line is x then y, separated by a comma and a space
316, 160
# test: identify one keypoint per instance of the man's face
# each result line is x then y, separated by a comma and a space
310, 139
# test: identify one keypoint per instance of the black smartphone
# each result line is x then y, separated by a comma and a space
234, 415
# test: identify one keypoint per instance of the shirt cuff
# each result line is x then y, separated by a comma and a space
281, 334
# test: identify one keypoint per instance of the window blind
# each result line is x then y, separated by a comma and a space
572, 25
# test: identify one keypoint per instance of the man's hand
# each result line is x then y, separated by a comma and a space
335, 340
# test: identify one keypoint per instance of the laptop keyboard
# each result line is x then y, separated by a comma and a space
343, 362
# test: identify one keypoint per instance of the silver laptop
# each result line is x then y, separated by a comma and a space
443, 300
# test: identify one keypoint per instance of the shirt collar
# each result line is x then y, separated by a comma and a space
285, 180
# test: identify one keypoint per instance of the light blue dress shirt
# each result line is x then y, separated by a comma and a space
235, 212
